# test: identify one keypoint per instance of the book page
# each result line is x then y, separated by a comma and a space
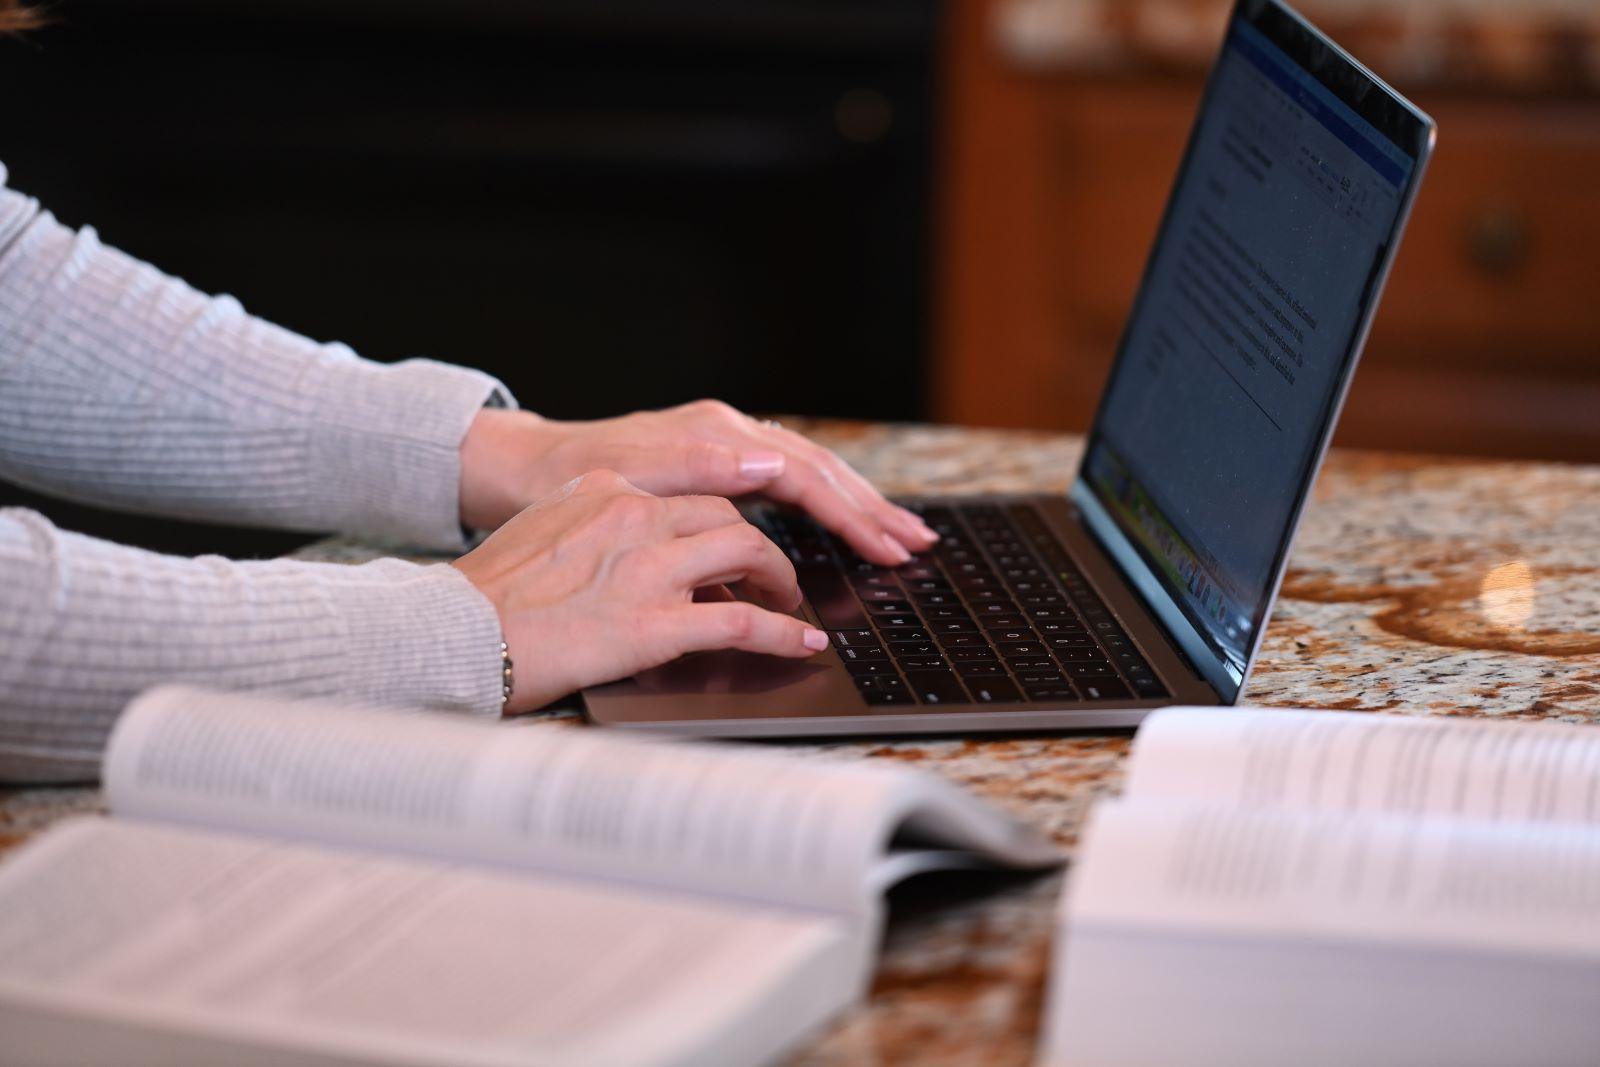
1175, 865
123, 937
1205, 934
1471, 768
730, 821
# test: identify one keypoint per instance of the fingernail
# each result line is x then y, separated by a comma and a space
815, 640
924, 529
762, 466
896, 549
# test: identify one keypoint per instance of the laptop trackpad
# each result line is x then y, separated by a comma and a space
728, 684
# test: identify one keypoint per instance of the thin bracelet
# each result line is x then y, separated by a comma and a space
505, 676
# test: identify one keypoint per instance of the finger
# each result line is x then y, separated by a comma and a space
690, 515
820, 493
713, 594
741, 554
704, 627
906, 527
710, 467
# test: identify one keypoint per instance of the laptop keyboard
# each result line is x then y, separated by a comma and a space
995, 613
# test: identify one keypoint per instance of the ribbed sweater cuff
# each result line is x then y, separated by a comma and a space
386, 444
426, 639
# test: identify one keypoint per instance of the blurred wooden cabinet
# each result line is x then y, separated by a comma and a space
1488, 338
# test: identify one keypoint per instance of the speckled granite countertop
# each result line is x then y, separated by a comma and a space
1420, 585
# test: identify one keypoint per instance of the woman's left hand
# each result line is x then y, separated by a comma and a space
512, 458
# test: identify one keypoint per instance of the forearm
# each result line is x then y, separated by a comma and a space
84, 625
127, 388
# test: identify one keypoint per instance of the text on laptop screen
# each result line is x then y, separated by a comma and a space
1242, 333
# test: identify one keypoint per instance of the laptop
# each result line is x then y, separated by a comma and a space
1151, 581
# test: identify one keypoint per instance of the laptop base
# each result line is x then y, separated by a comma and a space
740, 694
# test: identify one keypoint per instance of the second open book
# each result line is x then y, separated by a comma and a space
293, 883
1286, 887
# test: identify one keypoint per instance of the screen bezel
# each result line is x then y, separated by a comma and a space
1410, 130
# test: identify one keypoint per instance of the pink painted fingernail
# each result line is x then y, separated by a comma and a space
896, 549
761, 466
815, 640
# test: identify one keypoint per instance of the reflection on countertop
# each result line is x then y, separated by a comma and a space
1429, 586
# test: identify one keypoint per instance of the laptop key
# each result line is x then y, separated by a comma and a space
936, 687
855, 638
1021, 649
1004, 622
904, 650
960, 640
1129, 660
954, 626
1105, 689
1061, 641
1052, 694
857, 655
970, 652
913, 664
870, 668
904, 633
993, 691
971, 667
1022, 667
998, 606
928, 585
1148, 686
1078, 652
896, 622
1090, 670
889, 607
937, 600
1020, 635
1041, 679
948, 612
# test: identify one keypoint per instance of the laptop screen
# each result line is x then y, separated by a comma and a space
1249, 318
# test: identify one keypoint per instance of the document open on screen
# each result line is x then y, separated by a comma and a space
1246, 320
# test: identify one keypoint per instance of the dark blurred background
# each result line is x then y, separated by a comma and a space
888, 209
609, 204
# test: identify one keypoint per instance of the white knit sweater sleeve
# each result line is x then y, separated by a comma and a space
84, 625
126, 388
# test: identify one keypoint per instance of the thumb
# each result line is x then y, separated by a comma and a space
704, 467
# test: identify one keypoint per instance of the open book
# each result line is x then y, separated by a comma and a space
1288, 887
295, 883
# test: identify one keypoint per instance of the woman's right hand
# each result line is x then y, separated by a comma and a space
598, 581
